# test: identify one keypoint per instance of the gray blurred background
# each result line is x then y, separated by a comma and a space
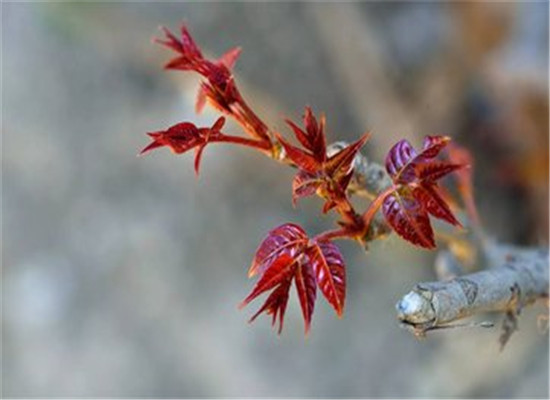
122, 275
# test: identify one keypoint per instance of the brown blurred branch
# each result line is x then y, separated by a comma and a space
360, 65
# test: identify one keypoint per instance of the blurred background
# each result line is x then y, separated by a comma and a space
122, 275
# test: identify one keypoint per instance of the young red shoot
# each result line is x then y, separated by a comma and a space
287, 254
219, 88
415, 193
185, 136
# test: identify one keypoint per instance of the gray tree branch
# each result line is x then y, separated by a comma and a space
520, 278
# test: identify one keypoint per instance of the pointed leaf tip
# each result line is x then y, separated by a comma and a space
330, 272
230, 57
218, 125
299, 157
341, 162
285, 239
149, 147
409, 219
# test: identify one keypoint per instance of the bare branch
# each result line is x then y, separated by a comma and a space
521, 279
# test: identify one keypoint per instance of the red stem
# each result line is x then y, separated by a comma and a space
375, 205
242, 119
260, 145
257, 122
340, 233
248, 119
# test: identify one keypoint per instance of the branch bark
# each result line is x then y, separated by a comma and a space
519, 280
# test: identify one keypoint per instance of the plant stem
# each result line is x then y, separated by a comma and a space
375, 205
260, 145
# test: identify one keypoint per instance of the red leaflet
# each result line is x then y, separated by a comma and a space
186, 136
415, 194
279, 276
276, 304
306, 288
185, 46
329, 176
303, 160
313, 139
288, 254
219, 88
432, 171
288, 239
190, 57
429, 196
305, 184
330, 273
340, 164
400, 155
179, 138
230, 57
409, 219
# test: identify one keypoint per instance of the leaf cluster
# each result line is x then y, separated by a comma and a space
288, 255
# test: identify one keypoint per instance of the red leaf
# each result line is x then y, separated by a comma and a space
415, 194
275, 304
181, 63
341, 162
280, 269
313, 138
316, 134
329, 205
329, 177
409, 219
190, 56
305, 184
188, 43
300, 135
279, 276
306, 288
151, 146
289, 239
398, 158
218, 72
403, 162
430, 198
185, 136
299, 157
288, 254
218, 125
218, 75
230, 57
171, 41
433, 145
435, 170
179, 138
330, 273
